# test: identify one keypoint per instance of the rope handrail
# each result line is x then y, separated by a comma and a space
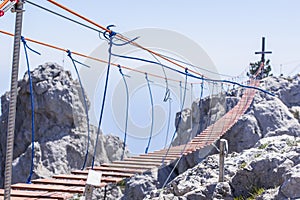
121, 37
140, 71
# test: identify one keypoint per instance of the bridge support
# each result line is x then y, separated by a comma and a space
13, 101
223, 152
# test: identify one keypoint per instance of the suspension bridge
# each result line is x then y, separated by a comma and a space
64, 186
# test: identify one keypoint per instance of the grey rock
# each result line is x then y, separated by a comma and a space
291, 184
222, 191
138, 186
60, 127
244, 134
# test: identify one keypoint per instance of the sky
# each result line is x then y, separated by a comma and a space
228, 31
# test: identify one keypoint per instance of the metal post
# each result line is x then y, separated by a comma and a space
88, 192
13, 101
223, 147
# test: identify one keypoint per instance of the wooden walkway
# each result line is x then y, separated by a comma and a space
64, 186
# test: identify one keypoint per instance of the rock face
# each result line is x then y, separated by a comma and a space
203, 113
264, 152
60, 127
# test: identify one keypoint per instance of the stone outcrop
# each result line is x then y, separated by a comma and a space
263, 160
60, 127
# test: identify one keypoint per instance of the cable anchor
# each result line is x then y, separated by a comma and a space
10, 6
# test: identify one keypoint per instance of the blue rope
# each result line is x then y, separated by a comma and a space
127, 109
111, 36
166, 98
200, 106
180, 90
180, 118
85, 105
194, 76
152, 112
169, 121
32, 106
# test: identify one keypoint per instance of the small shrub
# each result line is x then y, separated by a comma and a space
121, 183
256, 191
291, 143
263, 146
243, 165
296, 114
257, 155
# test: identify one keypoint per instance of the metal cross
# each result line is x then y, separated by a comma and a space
263, 52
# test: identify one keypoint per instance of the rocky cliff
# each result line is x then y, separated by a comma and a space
263, 160
60, 127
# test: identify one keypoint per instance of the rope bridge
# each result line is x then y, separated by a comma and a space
64, 186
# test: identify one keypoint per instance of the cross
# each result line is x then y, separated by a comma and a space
263, 52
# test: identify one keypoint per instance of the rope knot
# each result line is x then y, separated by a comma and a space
108, 34
69, 53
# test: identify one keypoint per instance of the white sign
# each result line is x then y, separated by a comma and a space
94, 178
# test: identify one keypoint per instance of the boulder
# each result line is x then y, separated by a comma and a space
60, 127
291, 184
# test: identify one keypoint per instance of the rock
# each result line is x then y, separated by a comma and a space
287, 89
211, 110
244, 134
264, 147
60, 127
274, 118
222, 191
291, 184
138, 187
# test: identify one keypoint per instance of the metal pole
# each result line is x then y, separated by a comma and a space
221, 161
13, 101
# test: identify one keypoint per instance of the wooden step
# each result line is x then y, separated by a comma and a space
128, 166
79, 183
50, 188
116, 169
158, 156
23, 194
146, 160
153, 163
74, 182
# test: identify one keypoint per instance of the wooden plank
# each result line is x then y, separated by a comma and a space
162, 153
25, 194
28, 198
72, 182
153, 163
71, 176
50, 188
128, 166
148, 158
83, 176
158, 156
112, 169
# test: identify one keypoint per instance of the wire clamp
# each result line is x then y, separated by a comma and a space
10, 6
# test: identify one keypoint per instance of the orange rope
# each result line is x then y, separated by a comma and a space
122, 37
78, 15
89, 57
3, 3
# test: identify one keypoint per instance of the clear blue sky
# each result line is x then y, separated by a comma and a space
229, 31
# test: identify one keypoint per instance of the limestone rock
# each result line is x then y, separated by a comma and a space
60, 127
138, 186
222, 191
290, 186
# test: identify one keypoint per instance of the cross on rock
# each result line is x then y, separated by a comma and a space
263, 52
